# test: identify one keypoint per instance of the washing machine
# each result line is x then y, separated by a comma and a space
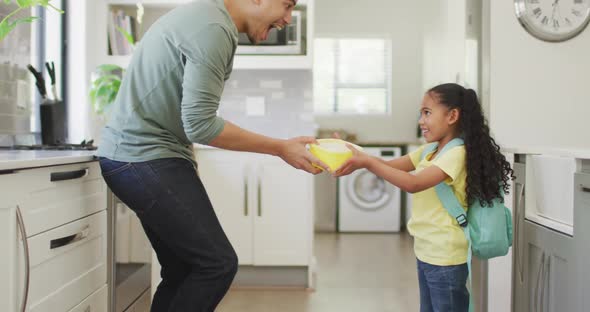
368, 203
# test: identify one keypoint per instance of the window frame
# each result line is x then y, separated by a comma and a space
387, 85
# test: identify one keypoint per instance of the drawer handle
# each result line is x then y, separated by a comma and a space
68, 175
64, 241
585, 189
23, 234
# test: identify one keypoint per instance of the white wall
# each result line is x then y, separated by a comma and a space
444, 42
538, 90
402, 21
78, 107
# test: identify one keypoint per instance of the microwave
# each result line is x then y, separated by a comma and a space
287, 41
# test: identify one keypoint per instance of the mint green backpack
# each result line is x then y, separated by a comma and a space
487, 229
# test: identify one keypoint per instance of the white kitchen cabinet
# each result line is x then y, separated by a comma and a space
53, 234
97, 302
283, 222
230, 186
264, 205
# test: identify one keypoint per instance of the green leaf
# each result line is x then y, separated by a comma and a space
44, 3
108, 77
7, 26
108, 68
24, 3
105, 90
127, 35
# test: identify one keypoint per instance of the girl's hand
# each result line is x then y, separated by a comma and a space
357, 161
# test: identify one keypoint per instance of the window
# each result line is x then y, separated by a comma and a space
352, 76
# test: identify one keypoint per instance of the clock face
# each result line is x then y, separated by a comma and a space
553, 20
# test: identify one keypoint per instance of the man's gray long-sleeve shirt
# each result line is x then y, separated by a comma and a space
170, 92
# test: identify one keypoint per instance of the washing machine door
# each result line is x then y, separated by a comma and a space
367, 191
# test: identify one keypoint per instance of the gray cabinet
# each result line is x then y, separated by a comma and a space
582, 237
548, 270
548, 266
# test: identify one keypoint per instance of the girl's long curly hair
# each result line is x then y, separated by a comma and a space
488, 171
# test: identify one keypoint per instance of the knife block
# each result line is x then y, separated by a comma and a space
53, 122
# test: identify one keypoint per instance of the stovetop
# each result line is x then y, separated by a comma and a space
83, 146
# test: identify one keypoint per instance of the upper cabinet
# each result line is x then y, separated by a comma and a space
117, 21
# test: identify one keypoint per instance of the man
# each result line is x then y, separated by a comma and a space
169, 99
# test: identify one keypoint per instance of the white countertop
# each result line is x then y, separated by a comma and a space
581, 153
18, 159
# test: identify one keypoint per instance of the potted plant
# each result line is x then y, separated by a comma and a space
105, 86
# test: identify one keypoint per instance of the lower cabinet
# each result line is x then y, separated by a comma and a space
549, 271
550, 268
97, 302
264, 205
54, 235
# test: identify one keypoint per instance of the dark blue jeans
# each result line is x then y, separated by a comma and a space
443, 288
198, 261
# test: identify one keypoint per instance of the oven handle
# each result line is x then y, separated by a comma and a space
23, 233
68, 175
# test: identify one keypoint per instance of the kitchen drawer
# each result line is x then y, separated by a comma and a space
67, 264
97, 302
76, 191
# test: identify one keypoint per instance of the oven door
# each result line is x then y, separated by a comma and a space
130, 259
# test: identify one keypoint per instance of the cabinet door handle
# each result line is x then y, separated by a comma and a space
23, 234
259, 199
70, 239
517, 229
246, 196
546, 277
584, 188
539, 274
68, 175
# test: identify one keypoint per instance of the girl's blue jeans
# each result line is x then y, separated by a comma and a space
443, 288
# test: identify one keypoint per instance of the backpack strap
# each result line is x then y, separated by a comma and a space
428, 149
444, 192
433, 146
451, 203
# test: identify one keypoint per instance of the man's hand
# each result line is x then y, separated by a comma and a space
357, 161
295, 153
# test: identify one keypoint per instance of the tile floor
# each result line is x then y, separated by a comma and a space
356, 273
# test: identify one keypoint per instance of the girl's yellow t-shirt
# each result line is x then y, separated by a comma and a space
438, 238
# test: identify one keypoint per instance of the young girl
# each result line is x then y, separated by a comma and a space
473, 170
